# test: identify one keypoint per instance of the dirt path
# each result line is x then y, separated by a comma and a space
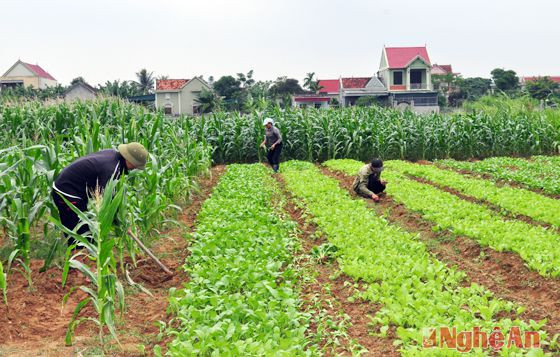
33, 324
330, 292
503, 273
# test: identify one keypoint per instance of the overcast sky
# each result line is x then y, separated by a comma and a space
112, 39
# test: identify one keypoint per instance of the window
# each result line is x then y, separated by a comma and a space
167, 111
397, 78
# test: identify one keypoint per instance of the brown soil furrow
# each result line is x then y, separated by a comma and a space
332, 290
34, 325
503, 273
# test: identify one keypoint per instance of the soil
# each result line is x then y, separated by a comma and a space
33, 323
333, 295
503, 273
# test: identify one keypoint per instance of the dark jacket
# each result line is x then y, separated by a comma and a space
360, 184
84, 175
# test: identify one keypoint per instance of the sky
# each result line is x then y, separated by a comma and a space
113, 39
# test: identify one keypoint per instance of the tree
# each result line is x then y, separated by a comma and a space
145, 81
76, 80
308, 80
163, 77
230, 89
468, 89
246, 80
310, 83
541, 88
209, 101
227, 86
260, 90
285, 86
506, 81
122, 89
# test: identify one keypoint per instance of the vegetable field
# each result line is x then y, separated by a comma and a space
287, 264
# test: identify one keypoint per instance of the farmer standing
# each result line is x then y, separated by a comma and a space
85, 175
273, 141
368, 183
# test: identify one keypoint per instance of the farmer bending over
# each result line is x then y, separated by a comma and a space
368, 183
89, 173
272, 140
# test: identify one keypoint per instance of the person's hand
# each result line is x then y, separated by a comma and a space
272, 146
383, 182
262, 145
375, 197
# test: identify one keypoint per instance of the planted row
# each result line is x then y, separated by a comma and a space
542, 173
416, 290
536, 245
240, 300
515, 200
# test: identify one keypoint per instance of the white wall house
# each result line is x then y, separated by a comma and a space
27, 75
178, 96
80, 91
404, 80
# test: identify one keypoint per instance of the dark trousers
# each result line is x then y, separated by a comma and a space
273, 156
375, 185
69, 218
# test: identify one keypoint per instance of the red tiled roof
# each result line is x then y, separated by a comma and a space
443, 67
446, 67
358, 82
399, 57
170, 84
533, 78
329, 85
35, 68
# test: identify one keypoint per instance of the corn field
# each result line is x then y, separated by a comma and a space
360, 133
38, 141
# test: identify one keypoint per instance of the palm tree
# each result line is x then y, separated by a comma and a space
145, 81
208, 101
310, 83
307, 82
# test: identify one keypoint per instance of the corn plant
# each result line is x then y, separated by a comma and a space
106, 292
3, 284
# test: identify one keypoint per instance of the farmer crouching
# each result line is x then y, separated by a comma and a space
368, 183
87, 174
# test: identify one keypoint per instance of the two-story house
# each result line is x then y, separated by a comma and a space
406, 74
404, 80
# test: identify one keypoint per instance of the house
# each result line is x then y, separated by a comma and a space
351, 89
329, 91
404, 80
80, 91
178, 96
524, 80
27, 75
406, 73
441, 69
